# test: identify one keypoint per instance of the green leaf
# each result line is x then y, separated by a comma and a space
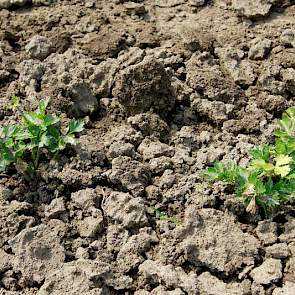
10, 131
34, 133
219, 171
261, 153
43, 106
287, 123
269, 179
15, 101
282, 171
268, 186
54, 132
6, 157
22, 145
31, 119
262, 165
44, 140
281, 147
259, 187
69, 139
283, 160
291, 175
22, 135
279, 133
50, 120
4, 163
75, 126
282, 166
53, 137
61, 144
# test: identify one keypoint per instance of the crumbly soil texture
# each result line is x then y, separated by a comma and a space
166, 87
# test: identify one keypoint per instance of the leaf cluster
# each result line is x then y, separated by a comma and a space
38, 134
269, 180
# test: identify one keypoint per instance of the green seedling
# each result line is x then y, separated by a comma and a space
15, 102
38, 135
268, 182
164, 216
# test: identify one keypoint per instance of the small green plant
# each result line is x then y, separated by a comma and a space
15, 102
164, 216
39, 134
269, 180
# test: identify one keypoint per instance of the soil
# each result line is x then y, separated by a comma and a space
167, 87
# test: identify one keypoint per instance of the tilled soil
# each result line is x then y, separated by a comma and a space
167, 87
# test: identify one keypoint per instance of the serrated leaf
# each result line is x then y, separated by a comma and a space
50, 120
282, 166
283, 160
282, 170
261, 153
259, 187
75, 126
287, 123
291, 176
53, 131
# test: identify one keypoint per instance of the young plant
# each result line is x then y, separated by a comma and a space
39, 134
15, 102
269, 180
164, 216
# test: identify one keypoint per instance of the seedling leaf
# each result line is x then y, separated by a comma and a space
75, 126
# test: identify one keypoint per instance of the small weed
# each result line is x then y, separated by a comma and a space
164, 216
22, 145
15, 102
268, 182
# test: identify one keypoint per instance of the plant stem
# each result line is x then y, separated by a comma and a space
36, 165
35, 158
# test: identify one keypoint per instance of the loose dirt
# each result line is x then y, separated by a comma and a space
167, 87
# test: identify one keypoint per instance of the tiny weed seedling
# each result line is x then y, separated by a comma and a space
15, 102
164, 216
269, 180
39, 134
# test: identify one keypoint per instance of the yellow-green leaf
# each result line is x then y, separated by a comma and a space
261, 164
282, 170
283, 160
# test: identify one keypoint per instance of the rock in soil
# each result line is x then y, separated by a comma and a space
269, 271
136, 86
124, 209
38, 253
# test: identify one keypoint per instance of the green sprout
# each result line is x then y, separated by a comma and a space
38, 135
15, 102
164, 216
268, 182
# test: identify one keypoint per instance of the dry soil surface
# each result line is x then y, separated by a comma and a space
167, 87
